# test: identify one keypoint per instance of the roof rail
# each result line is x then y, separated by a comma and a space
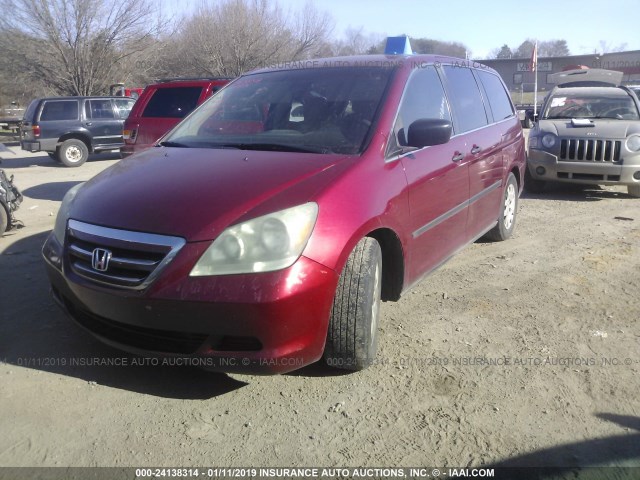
194, 79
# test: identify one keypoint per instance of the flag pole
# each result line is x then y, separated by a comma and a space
534, 67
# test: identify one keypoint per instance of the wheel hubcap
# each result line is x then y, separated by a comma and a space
509, 206
74, 154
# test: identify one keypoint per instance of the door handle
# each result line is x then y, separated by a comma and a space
476, 149
457, 156
88, 124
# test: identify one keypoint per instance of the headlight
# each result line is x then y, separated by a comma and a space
63, 214
548, 140
264, 244
633, 143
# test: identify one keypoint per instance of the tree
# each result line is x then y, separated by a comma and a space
356, 42
553, 48
430, 46
234, 36
74, 47
525, 50
504, 52
606, 47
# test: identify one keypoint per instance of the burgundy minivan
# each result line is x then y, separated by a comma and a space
262, 232
161, 106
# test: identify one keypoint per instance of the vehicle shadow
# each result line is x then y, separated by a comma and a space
616, 457
19, 160
575, 193
49, 191
37, 335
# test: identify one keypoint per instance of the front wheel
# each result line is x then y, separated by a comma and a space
352, 337
508, 212
73, 153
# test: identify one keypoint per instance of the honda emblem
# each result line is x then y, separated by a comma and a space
100, 259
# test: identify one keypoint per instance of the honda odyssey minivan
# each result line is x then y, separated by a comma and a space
262, 232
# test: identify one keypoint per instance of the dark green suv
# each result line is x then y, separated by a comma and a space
70, 128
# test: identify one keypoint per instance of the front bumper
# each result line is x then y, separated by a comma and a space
585, 172
263, 323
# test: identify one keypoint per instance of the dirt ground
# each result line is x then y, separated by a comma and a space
525, 352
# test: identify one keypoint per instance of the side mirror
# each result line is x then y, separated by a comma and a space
429, 131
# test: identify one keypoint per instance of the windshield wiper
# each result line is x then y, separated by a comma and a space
174, 144
275, 147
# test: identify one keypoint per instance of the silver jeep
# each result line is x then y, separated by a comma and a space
588, 132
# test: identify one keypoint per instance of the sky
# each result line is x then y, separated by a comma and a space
485, 26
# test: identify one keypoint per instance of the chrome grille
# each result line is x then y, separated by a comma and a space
135, 258
590, 150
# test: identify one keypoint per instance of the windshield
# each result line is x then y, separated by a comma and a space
591, 106
320, 110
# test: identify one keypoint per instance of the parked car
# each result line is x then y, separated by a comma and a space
161, 106
70, 128
263, 231
588, 133
10, 199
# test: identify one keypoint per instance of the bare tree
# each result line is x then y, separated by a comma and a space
525, 50
233, 36
356, 42
553, 48
76, 46
607, 47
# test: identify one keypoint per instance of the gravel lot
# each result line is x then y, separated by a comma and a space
518, 353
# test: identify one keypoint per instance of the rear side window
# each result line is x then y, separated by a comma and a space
59, 110
123, 107
466, 99
99, 109
424, 97
30, 111
172, 102
496, 95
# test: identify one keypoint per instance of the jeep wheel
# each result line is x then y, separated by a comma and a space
4, 220
633, 190
73, 153
352, 337
531, 185
508, 212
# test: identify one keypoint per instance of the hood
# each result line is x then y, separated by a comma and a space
197, 193
602, 128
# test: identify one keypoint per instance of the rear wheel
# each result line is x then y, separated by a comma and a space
352, 337
73, 153
633, 190
508, 212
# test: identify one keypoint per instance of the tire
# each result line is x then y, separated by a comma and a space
633, 190
73, 153
352, 337
528, 123
4, 220
532, 185
508, 212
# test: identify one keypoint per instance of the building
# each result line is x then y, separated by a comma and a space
517, 74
